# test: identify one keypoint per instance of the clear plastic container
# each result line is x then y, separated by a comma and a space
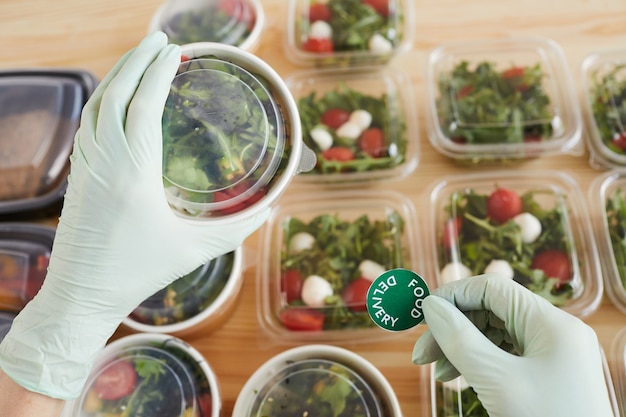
530, 226
285, 381
502, 100
618, 370
320, 253
232, 22
608, 201
343, 33
39, 115
231, 135
604, 85
362, 124
24, 256
197, 303
123, 380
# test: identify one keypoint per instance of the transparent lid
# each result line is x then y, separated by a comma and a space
139, 378
504, 99
38, 118
223, 21
24, 257
6, 320
316, 387
186, 296
222, 142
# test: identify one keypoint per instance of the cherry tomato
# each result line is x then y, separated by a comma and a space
302, 319
619, 140
451, 229
381, 6
503, 205
513, 72
355, 294
334, 118
464, 91
318, 45
238, 189
338, 153
205, 404
555, 264
319, 11
372, 142
291, 284
116, 381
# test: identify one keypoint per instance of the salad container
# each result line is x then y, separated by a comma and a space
604, 91
346, 384
148, 374
321, 253
39, 115
200, 301
231, 22
6, 320
348, 33
232, 138
533, 227
501, 100
24, 256
361, 124
607, 194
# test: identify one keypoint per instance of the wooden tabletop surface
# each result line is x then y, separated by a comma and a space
92, 35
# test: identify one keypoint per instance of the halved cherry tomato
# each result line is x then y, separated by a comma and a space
291, 285
319, 11
503, 204
464, 91
513, 72
555, 264
372, 142
205, 404
355, 294
302, 319
619, 140
334, 118
381, 6
318, 45
450, 234
338, 153
116, 381
238, 189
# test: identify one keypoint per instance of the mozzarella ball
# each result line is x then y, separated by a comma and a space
315, 289
370, 269
322, 138
301, 241
348, 130
530, 226
500, 267
320, 30
454, 271
361, 118
379, 44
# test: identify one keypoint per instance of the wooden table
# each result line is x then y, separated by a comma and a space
92, 35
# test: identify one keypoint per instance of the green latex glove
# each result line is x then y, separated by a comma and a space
559, 368
118, 241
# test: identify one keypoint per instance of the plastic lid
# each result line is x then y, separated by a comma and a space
24, 257
290, 391
187, 21
38, 118
221, 146
6, 319
187, 295
130, 380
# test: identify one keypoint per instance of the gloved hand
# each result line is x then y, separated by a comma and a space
559, 368
118, 241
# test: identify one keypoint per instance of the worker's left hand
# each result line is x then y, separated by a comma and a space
118, 241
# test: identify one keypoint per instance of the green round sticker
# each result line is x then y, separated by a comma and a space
394, 299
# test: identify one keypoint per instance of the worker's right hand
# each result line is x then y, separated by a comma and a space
557, 369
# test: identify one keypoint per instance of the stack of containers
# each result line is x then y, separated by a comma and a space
324, 244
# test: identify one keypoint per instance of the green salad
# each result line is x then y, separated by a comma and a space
514, 234
353, 132
465, 403
484, 105
333, 264
608, 105
616, 225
